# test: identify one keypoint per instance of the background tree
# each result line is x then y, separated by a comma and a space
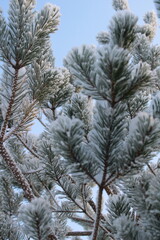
101, 130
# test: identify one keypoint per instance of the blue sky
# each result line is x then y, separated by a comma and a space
81, 20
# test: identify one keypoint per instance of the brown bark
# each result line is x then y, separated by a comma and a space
16, 172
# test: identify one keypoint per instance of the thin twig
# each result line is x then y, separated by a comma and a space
78, 219
85, 233
83, 193
80, 207
86, 171
67, 211
112, 178
50, 193
27, 147
43, 124
150, 168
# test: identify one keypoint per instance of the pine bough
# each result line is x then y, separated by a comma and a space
101, 130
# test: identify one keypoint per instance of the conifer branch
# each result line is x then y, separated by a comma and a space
52, 237
102, 149
102, 185
78, 219
98, 214
111, 179
85, 170
90, 202
21, 123
108, 190
67, 211
16, 172
80, 207
93, 206
85, 233
11, 102
42, 123
5, 56
150, 168
50, 193
83, 199
27, 147
93, 85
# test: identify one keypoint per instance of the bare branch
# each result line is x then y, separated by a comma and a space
85, 233
150, 168
43, 124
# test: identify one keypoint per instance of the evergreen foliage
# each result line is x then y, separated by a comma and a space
101, 130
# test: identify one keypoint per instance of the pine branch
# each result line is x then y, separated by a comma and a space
112, 178
34, 190
50, 193
27, 147
43, 124
150, 168
99, 92
78, 219
85, 233
83, 198
16, 172
52, 237
101, 188
80, 207
67, 211
6, 56
108, 190
11, 102
90, 202
22, 122
83, 168
38, 230
98, 214
93, 206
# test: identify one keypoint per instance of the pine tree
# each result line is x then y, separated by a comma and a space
101, 131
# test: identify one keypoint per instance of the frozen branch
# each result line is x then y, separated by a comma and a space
17, 173
11, 102
27, 147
